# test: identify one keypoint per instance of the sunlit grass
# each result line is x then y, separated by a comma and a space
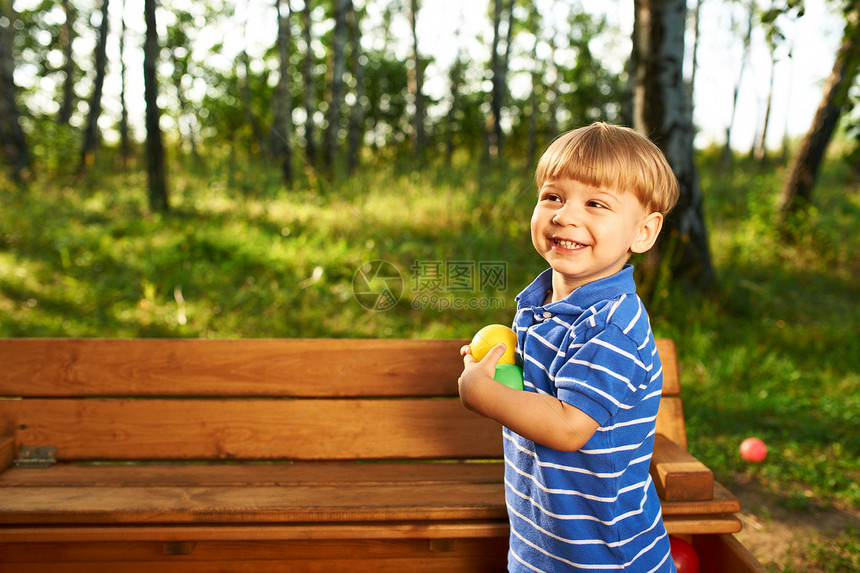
775, 352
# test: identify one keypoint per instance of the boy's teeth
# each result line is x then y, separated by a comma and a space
567, 244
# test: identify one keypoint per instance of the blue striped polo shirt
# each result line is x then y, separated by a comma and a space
595, 509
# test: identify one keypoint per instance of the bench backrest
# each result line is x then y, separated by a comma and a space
249, 400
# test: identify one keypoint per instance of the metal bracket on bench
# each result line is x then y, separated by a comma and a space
36, 457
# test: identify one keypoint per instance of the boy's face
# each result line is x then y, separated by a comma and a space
586, 233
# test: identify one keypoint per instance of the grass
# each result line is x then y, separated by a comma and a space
775, 352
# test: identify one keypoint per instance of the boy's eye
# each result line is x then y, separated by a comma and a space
551, 197
596, 204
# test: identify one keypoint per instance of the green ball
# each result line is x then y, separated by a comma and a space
510, 375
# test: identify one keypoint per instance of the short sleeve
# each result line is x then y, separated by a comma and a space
603, 375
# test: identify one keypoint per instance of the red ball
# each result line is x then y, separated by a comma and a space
753, 450
685, 557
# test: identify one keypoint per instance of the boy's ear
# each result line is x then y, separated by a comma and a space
649, 228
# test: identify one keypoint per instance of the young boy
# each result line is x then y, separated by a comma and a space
578, 441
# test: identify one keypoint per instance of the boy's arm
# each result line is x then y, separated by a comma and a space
538, 417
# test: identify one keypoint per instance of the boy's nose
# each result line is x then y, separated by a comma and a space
566, 215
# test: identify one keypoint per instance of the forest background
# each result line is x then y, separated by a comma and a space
327, 175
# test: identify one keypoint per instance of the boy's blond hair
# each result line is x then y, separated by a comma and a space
612, 157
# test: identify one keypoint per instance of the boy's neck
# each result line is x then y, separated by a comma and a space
561, 289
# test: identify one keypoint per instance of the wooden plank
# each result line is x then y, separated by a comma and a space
466, 556
701, 524
670, 420
252, 429
7, 453
257, 474
723, 501
725, 554
330, 564
243, 550
68, 367
249, 367
497, 528
677, 475
313, 504
669, 360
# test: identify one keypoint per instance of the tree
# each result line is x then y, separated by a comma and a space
797, 190
124, 139
553, 94
694, 56
499, 69
775, 37
91, 133
416, 84
13, 143
247, 105
590, 91
356, 118
66, 38
726, 158
282, 124
662, 111
535, 25
179, 50
336, 85
759, 150
158, 200
456, 78
309, 92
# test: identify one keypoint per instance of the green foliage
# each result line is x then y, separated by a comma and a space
387, 94
775, 353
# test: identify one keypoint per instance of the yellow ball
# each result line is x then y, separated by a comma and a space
491, 335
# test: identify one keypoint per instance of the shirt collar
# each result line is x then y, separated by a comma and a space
582, 298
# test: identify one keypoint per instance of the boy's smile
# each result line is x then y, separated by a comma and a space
587, 233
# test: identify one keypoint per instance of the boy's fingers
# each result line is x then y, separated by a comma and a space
495, 354
466, 353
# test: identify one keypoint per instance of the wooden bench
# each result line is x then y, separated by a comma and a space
278, 455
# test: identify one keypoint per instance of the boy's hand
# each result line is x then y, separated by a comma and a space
475, 373
537, 417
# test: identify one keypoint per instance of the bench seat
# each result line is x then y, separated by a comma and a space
317, 493
288, 455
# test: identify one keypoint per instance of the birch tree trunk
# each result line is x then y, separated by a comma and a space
493, 128
124, 139
247, 107
356, 118
726, 158
760, 150
416, 84
13, 143
282, 123
91, 133
662, 111
336, 85
452, 121
695, 55
309, 92
552, 125
67, 36
499, 65
797, 191
154, 147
